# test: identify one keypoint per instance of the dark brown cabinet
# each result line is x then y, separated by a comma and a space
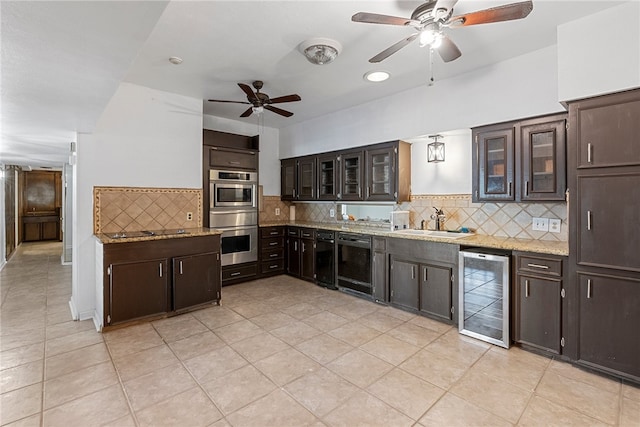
229, 158
404, 291
298, 178
288, 179
435, 290
272, 251
379, 276
351, 174
159, 277
293, 251
36, 228
520, 161
301, 252
538, 301
381, 166
328, 174
604, 237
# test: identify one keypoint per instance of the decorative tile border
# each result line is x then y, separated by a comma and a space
135, 208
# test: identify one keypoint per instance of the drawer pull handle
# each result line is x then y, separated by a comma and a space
589, 220
274, 233
589, 288
237, 273
526, 289
231, 162
273, 256
273, 266
589, 153
544, 267
273, 244
180, 267
160, 265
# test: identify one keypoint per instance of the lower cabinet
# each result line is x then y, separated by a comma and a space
379, 276
301, 252
538, 294
405, 286
159, 277
272, 251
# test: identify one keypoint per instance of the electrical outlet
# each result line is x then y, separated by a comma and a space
540, 224
554, 225
277, 211
189, 216
332, 213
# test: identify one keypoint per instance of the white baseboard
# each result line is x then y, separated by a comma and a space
2, 264
97, 321
74, 311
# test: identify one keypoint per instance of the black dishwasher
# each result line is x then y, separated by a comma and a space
354, 263
326, 259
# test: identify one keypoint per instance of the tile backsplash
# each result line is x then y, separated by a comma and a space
133, 208
493, 219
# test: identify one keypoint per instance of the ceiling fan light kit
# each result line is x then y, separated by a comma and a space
320, 51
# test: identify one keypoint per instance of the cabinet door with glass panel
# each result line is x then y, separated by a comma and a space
381, 181
328, 173
543, 172
307, 178
351, 164
494, 161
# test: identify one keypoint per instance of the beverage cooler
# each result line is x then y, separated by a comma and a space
484, 295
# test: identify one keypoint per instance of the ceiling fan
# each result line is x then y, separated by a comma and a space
430, 19
260, 101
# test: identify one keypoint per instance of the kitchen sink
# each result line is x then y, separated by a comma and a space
434, 233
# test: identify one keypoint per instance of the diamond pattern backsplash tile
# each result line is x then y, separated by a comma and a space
134, 209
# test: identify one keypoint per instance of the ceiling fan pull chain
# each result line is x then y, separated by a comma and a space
431, 81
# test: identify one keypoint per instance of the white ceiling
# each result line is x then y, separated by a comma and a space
62, 61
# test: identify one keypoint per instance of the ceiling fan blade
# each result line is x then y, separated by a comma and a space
278, 111
442, 8
246, 89
393, 49
287, 98
247, 113
231, 102
374, 18
507, 12
448, 50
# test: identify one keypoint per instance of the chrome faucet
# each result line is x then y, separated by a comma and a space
439, 217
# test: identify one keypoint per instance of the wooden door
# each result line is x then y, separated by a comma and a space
196, 280
493, 163
539, 312
381, 182
306, 178
435, 290
288, 178
351, 176
328, 177
404, 287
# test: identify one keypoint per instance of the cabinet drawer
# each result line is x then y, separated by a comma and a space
308, 233
272, 243
271, 231
232, 272
271, 266
271, 254
293, 232
234, 159
541, 265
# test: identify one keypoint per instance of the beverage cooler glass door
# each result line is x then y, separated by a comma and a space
484, 296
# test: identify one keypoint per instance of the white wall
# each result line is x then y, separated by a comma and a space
269, 148
599, 53
144, 138
520, 87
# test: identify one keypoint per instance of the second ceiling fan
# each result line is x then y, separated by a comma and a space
430, 18
260, 101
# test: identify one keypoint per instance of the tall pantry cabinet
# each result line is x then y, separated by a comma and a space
604, 237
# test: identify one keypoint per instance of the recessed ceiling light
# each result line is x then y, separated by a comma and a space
175, 60
376, 76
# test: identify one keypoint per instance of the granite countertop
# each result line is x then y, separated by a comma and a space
477, 240
140, 236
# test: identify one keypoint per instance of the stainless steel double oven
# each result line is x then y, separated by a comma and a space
233, 209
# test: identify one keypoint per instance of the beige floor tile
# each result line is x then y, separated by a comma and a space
491, 393
132, 339
126, 421
259, 346
458, 347
413, 334
509, 370
275, 409
363, 409
11, 340
434, 325
32, 421
580, 396
397, 313
21, 376
99, 408
72, 342
272, 320
332, 299
380, 321
238, 388
434, 368
178, 327
517, 354
287, 365
76, 359
301, 310
406, 393
220, 423
252, 309
451, 411
283, 301
238, 331
631, 391
295, 333
217, 316
157, 386
324, 348
143, 362
573, 372
354, 333
21, 355
630, 413
68, 328
325, 321
360, 367
78, 383
214, 364
197, 344
190, 408
390, 349
543, 412
321, 391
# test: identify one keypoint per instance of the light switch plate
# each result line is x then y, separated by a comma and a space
554, 225
277, 211
540, 224
332, 213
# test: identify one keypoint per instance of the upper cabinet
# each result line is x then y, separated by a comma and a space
380, 172
520, 161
